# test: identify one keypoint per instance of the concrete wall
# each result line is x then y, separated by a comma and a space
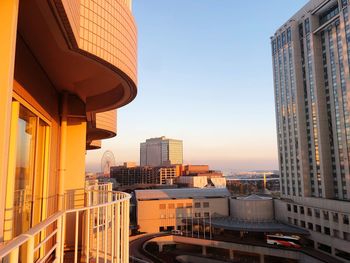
235, 248
252, 209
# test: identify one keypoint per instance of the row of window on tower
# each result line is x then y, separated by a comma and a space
284, 38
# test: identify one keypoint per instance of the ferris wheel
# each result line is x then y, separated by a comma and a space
107, 162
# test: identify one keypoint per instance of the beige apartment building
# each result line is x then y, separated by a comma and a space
311, 65
168, 209
66, 66
161, 152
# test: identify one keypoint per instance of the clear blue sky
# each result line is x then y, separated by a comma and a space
205, 76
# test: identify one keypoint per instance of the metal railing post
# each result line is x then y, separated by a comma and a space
63, 236
98, 236
13, 256
59, 245
117, 232
122, 232
30, 250
88, 227
76, 237
126, 239
112, 208
105, 232
125, 231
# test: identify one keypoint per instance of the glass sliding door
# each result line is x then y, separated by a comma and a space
24, 174
31, 170
29, 157
40, 172
40, 179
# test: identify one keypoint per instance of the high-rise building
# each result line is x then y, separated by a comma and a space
311, 65
161, 151
65, 68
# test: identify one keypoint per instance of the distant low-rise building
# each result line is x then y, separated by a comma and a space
249, 185
131, 175
199, 176
195, 169
129, 164
201, 181
192, 181
166, 209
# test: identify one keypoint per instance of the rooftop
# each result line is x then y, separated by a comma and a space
181, 193
309, 7
254, 197
231, 223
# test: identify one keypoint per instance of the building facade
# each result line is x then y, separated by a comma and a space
166, 209
137, 175
200, 176
161, 151
66, 66
311, 64
191, 169
201, 181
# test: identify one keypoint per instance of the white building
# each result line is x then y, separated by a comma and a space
201, 181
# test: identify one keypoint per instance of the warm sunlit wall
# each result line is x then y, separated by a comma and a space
98, 24
107, 121
153, 214
188, 169
76, 140
36, 102
8, 14
33, 87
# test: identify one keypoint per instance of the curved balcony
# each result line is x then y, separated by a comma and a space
101, 126
86, 47
93, 145
94, 226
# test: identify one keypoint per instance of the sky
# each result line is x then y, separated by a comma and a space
204, 77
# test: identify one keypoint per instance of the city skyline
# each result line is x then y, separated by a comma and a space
198, 87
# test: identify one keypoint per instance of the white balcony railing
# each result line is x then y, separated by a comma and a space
93, 227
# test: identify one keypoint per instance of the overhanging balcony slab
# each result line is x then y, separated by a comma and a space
90, 52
